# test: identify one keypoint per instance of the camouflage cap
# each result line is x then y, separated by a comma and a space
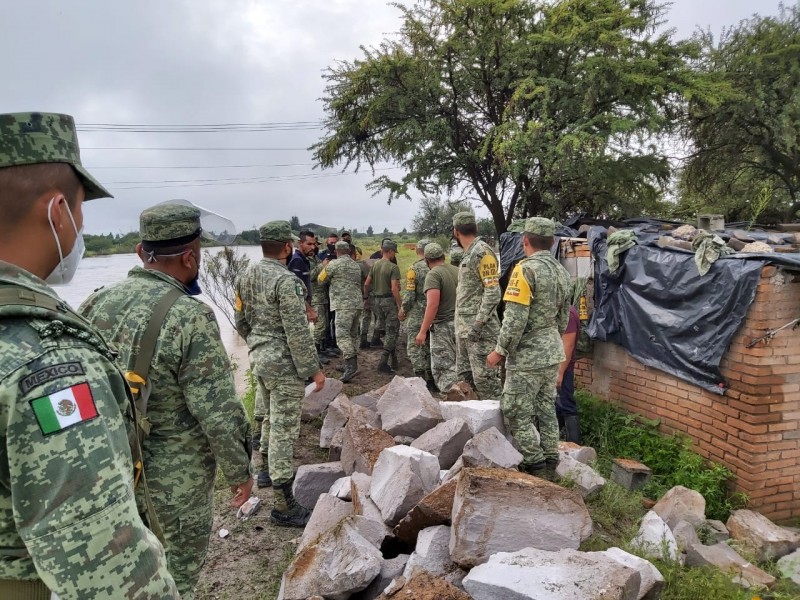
540, 226
422, 243
277, 231
456, 254
170, 224
463, 218
389, 245
345, 232
35, 138
434, 251
343, 245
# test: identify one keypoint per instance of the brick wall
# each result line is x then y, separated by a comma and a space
754, 429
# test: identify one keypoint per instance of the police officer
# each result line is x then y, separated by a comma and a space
68, 519
412, 313
536, 314
197, 421
270, 314
384, 282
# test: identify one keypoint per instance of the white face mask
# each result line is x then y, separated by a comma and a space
67, 265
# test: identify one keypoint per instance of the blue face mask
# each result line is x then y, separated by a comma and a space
193, 287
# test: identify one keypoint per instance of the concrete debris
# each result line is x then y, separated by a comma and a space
479, 415
681, 504
335, 418
757, 533
445, 441
630, 474
423, 587
432, 555
789, 566
341, 489
584, 454
373, 531
756, 247
328, 513
587, 481
460, 391
311, 481
335, 450
565, 574
365, 415
370, 399
651, 580
362, 502
249, 508
407, 407
405, 440
453, 472
361, 446
737, 245
685, 232
498, 510
315, 403
223, 533
655, 539
434, 509
490, 448
391, 568
685, 535
728, 561
401, 478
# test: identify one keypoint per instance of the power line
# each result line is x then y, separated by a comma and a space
160, 126
194, 149
206, 167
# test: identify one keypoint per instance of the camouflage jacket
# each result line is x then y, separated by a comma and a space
478, 292
66, 479
344, 277
414, 299
197, 420
536, 313
271, 315
319, 292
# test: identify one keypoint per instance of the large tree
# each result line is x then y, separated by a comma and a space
435, 216
534, 106
748, 143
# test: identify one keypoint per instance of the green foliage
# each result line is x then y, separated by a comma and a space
618, 434
294, 223
370, 231
218, 274
616, 514
435, 216
111, 243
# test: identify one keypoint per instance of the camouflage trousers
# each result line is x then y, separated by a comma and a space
471, 363
187, 528
283, 398
322, 322
530, 393
387, 309
347, 326
366, 318
260, 408
420, 356
378, 316
443, 355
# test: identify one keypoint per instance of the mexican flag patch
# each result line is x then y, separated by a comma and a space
64, 408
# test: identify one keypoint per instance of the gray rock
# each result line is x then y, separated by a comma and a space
365, 415
728, 561
335, 418
313, 480
652, 581
685, 535
789, 566
497, 510
479, 415
341, 489
362, 502
328, 513
681, 504
714, 532
361, 446
490, 448
335, 450
407, 407
391, 568
405, 440
565, 574
584, 454
762, 536
432, 555
655, 539
339, 564
445, 441
401, 478
587, 481
737, 245
373, 531
370, 399
315, 403
630, 474
453, 472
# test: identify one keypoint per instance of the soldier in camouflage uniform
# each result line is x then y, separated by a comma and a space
384, 282
321, 304
440, 288
456, 255
367, 312
413, 312
343, 276
477, 323
197, 422
536, 314
270, 314
68, 519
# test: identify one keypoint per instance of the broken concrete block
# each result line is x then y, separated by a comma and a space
432, 555
445, 441
423, 587
434, 509
565, 574
453, 472
362, 502
405, 440
655, 539
361, 446
341, 489
370, 399
630, 474
479, 415
789, 566
587, 481
681, 504
365, 415
373, 531
335, 418
336, 566
407, 407
651, 580
460, 391
757, 533
391, 568
328, 513
315, 403
584, 454
498, 510
335, 450
728, 561
490, 449
714, 532
313, 480
685, 535
401, 478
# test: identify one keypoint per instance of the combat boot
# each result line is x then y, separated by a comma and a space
324, 360
430, 382
383, 365
376, 341
364, 342
573, 428
393, 360
263, 480
550, 465
350, 369
286, 511
332, 351
420, 374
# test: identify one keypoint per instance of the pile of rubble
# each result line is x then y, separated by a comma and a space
738, 240
422, 500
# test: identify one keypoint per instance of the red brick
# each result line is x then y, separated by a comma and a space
747, 427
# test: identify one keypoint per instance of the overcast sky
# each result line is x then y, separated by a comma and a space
168, 62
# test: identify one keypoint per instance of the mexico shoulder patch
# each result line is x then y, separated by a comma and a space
518, 290
64, 408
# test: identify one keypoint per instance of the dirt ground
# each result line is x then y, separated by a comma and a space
250, 561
